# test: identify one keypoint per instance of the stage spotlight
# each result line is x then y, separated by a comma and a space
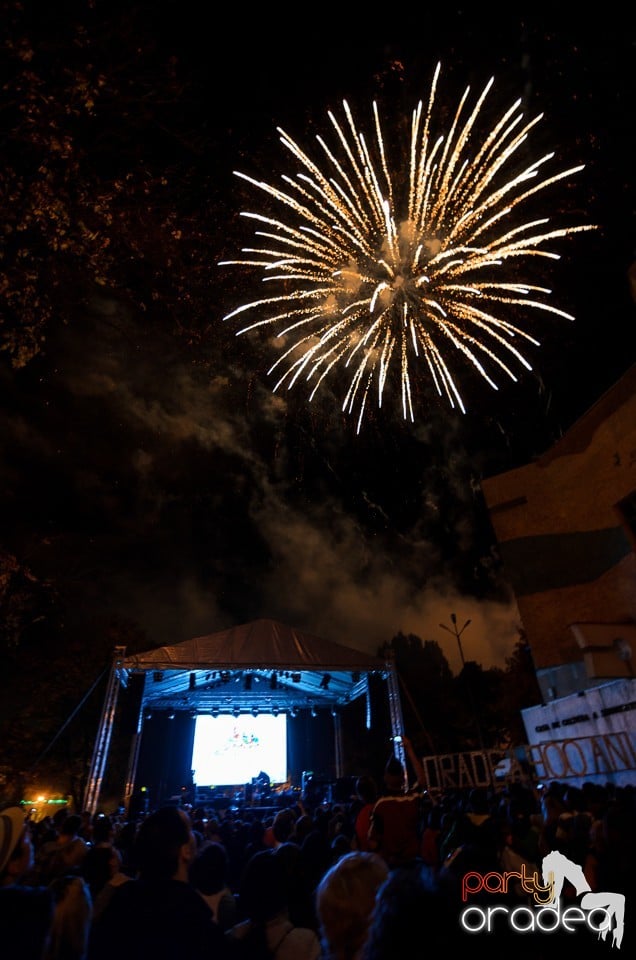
275, 711
334, 712
254, 711
149, 715
293, 713
314, 712
215, 712
236, 712
326, 680
171, 716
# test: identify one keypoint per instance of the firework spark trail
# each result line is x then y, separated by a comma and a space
376, 266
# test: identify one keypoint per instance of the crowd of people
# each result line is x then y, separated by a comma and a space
367, 879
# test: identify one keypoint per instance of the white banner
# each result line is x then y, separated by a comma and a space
605, 757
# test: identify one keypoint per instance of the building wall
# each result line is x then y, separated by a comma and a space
589, 736
566, 546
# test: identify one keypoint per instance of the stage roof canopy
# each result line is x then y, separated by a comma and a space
263, 664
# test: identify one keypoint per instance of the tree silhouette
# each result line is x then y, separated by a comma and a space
51, 706
519, 690
477, 708
427, 693
102, 177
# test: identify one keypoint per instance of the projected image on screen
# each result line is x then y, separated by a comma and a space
233, 750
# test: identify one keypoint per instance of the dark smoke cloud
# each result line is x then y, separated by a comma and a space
177, 492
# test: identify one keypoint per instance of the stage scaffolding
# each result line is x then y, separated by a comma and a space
333, 694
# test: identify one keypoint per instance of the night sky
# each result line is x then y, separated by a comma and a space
158, 479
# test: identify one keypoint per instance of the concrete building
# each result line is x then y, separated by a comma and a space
566, 528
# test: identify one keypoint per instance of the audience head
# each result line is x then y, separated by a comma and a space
209, 869
345, 900
303, 826
263, 887
394, 776
340, 846
71, 826
59, 817
283, 825
289, 855
16, 848
70, 927
366, 789
103, 831
165, 845
478, 801
409, 906
99, 866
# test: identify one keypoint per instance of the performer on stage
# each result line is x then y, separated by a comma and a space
264, 783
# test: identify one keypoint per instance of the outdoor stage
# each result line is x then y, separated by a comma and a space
242, 685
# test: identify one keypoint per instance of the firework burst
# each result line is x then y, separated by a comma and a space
409, 268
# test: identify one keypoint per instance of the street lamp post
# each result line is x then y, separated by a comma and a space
457, 634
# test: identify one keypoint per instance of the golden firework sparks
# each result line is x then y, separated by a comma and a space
416, 265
